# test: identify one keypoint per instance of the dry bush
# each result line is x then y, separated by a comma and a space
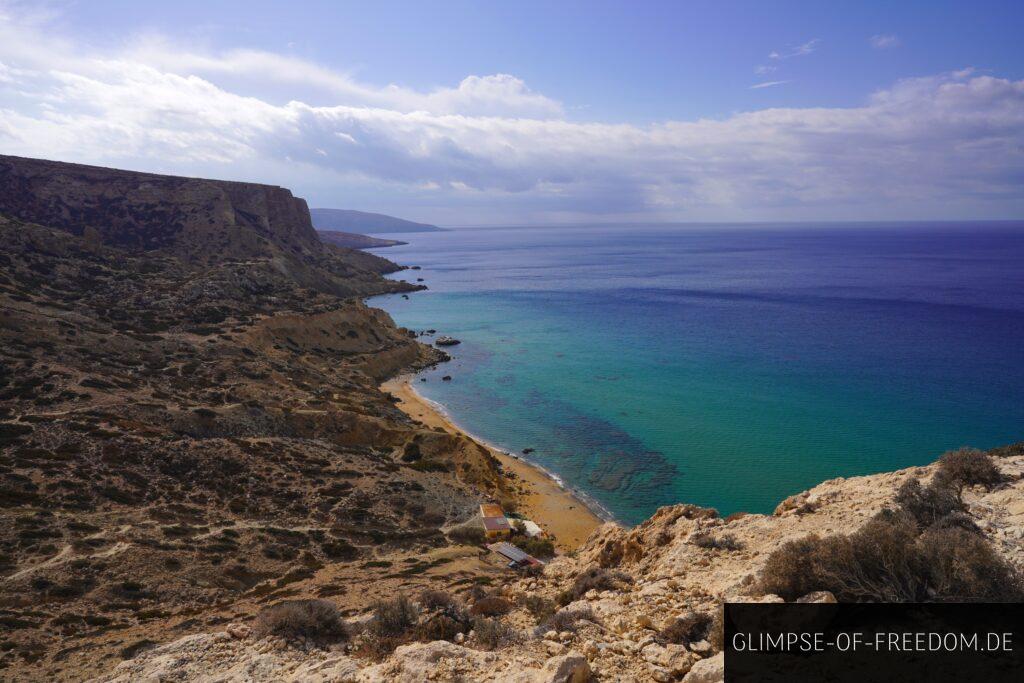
492, 606
877, 563
887, 561
544, 548
565, 620
593, 578
316, 620
964, 566
393, 617
470, 533
440, 627
967, 467
690, 627
492, 634
436, 599
708, 541
540, 607
926, 504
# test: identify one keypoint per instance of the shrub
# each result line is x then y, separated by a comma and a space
874, 564
886, 561
706, 540
491, 607
394, 617
492, 634
543, 548
317, 620
540, 607
690, 627
593, 578
435, 599
926, 504
565, 620
470, 533
967, 467
964, 566
440, 627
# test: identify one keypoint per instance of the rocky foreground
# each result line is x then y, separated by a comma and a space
664, 573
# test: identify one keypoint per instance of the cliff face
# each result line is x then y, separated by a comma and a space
204, 219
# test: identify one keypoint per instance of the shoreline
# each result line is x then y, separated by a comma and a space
547, 502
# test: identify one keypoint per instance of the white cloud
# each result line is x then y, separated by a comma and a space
762, 69
884, 41
767, 84
474, 152
798, 51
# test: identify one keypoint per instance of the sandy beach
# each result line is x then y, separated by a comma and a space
555, 509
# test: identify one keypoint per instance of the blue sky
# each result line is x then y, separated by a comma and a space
486, 112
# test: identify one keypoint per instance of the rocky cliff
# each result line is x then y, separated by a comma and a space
204, 219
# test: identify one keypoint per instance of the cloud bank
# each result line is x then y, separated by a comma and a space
490, 149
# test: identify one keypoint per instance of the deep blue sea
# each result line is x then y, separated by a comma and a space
727, 366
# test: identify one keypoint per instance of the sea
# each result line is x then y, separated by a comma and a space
727, 366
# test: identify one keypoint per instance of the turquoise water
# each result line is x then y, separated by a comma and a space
728, 367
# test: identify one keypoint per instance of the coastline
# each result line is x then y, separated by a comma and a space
555, 509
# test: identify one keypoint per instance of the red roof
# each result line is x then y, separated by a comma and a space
496, 524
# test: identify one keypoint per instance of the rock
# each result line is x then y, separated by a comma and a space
710, 670
445, 340
460, 638
564, 636
551, 635
701, 647
660, 674
446, 378
334, 670
818, 597
569, 668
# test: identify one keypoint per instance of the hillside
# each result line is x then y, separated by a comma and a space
631, 605
190, 424
351, 240
346, 220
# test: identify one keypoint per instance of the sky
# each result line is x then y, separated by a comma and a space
466, 113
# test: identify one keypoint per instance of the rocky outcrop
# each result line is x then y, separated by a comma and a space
146, 211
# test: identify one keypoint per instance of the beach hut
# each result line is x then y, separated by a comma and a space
496, 525
516, 557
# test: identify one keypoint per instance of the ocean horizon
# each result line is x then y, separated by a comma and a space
647, 365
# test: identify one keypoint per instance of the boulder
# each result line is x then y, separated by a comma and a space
568, 668
710, 670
